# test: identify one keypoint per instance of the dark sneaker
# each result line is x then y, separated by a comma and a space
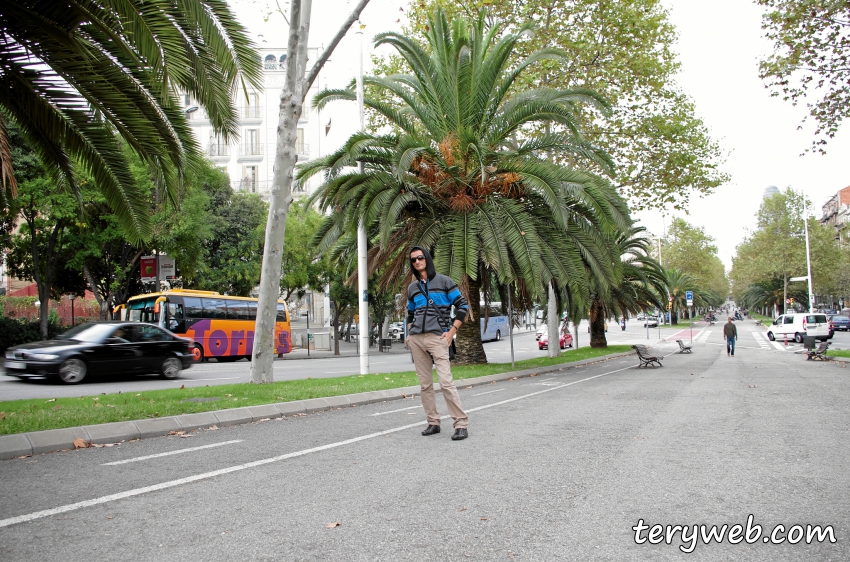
431, 430
460, 434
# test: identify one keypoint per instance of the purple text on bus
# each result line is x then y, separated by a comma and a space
241, 341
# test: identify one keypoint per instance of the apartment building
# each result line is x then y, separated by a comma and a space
248, 161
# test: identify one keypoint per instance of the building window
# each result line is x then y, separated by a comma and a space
270, 63
299, 142
283, 62
249, 179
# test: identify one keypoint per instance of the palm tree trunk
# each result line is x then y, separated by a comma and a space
597, 323
470, 350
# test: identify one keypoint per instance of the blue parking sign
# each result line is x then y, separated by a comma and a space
689, 295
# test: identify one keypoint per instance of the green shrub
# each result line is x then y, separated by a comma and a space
14, 331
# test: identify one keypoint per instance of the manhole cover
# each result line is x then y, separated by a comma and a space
211, 399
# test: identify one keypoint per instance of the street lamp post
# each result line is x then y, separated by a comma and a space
71, 298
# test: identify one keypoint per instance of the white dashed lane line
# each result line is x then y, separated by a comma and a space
394, 411
488, 392
169, 453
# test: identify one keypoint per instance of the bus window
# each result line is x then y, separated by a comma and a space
176, 319
281, 312
237, 310
193, 308
215, 308
252, 310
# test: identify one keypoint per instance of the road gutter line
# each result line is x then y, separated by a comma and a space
169, 453
237, 468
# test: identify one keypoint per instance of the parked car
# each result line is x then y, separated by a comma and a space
651, 322
566, 341
396, 330
795, 326
839, 322
101, 348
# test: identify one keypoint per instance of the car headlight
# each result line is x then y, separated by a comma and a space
42, 356
10, 355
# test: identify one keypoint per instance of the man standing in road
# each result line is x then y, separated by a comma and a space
430, 333
730, 332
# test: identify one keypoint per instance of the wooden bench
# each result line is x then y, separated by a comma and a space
682, 347
646, 360
818, 354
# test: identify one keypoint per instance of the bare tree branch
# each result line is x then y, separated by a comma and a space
352, 17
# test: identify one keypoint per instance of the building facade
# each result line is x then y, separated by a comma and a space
836, 213
248, 160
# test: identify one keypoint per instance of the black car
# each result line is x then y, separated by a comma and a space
101, 348
839, 322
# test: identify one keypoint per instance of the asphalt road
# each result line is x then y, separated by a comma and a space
295, 366
557, 467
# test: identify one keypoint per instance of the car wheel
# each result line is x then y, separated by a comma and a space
771, 337
72, 371
498, 335
198, 353
171, 368
798, 337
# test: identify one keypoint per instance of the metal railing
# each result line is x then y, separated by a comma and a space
302, 149
252, 112
218, 149
251, 149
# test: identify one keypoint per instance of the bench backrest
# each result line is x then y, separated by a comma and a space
641, 349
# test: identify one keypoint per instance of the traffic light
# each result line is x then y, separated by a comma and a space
669, 306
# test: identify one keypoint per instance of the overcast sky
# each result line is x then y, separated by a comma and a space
720, 43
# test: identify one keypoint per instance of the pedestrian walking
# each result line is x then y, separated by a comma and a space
730, 332
431, 332
623, 323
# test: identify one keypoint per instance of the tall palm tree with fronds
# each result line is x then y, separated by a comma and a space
678, 283
459, 173
81, 78
640, 284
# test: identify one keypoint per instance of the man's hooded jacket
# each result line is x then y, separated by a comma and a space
439, 288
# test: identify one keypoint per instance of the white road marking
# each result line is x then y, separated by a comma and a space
488, 392
760, 339
394, 411
239, 467
190, 449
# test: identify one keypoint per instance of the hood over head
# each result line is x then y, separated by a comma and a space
432, 271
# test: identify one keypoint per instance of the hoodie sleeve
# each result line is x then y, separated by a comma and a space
410, 308
460, 304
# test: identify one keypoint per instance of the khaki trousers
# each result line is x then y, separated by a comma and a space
421, 345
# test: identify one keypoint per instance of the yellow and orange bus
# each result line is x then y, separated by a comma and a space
221, 326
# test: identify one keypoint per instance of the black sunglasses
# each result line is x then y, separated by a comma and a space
416, 259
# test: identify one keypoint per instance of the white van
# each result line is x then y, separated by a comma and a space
798, 325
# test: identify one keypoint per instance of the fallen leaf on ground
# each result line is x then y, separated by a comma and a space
533, 375
182, 386
751, 385
176, 432
212, 428
264, 419
484, 519
332, 525
52, 400
80, 443
185, 436
57, 407
2, 415
228, 395
463, 509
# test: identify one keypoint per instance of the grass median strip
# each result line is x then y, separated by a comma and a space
838, 352
18, 416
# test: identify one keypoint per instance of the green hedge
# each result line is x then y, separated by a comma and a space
14, 331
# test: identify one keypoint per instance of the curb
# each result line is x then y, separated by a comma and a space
52, 440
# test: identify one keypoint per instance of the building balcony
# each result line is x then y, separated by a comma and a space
218, 151
252, 113
251, 151
302, 149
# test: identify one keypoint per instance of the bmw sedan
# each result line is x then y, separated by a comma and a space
101, 348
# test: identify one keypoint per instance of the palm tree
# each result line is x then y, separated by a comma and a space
678, 283
640, 284
459, 173
80, 78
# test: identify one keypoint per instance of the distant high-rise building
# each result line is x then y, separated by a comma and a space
770, 191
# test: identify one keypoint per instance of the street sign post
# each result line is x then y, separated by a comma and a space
689, 296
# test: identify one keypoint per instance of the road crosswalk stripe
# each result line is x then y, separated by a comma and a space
760, 339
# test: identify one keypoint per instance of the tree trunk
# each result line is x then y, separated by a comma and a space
674, 316
470, 349
597, 323
291, 104
553, 321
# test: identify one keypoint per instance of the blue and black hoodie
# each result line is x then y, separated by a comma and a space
439, 288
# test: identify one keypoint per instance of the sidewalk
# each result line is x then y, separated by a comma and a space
352, 349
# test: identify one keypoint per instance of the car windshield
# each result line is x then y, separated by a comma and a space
88, 332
